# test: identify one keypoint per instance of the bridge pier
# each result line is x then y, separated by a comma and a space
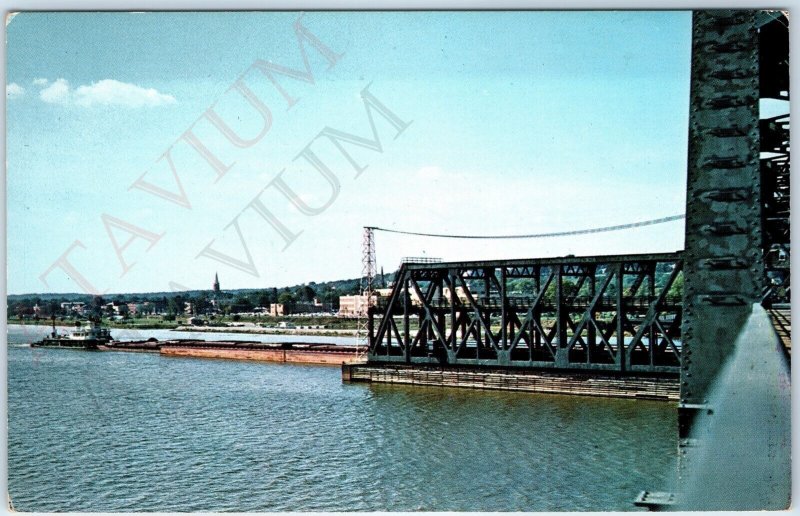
582, 383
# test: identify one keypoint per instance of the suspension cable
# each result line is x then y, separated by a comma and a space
650, 222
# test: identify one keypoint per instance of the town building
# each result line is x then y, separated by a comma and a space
146, 308
116, 308
216, 293
73, 306
385, 293
306, 308
354, 306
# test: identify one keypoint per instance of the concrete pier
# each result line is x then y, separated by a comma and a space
661, 387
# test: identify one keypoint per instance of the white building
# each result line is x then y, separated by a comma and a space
354, 306
74, 306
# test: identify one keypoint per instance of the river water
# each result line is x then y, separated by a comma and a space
116, 431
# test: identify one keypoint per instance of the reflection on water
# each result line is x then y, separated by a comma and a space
138, 432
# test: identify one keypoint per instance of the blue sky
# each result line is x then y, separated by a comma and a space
520, 122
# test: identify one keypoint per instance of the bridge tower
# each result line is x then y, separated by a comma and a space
737, 196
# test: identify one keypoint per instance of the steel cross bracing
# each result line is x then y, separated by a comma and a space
612, 313
773, 54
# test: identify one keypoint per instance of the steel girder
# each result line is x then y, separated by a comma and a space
724, 263
775, 215
737, 200
773, 51
613, 313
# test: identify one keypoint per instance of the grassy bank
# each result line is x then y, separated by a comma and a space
219, 323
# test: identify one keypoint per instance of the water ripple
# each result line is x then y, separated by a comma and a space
136, 432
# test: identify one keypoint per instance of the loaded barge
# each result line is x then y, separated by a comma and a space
286, 352
95, 338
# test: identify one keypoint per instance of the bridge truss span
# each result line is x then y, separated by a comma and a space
609, 313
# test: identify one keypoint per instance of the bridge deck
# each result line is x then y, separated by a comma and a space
782, 322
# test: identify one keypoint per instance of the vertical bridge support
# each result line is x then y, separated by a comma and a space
736, 214
723, 257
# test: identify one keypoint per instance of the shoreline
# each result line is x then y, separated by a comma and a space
253, 330
269, 331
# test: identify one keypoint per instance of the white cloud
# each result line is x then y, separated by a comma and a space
14, 90
107, 92
56, 93
40, 81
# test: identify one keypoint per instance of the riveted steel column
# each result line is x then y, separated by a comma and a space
505, 344
451, 279
591, 333
562, 353
622, 355
723, 265
406, 321
652, 337
371, 326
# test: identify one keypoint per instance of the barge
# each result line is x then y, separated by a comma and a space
285, 352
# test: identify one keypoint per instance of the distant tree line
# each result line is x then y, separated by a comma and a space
173, 304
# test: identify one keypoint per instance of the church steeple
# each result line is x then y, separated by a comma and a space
216, 282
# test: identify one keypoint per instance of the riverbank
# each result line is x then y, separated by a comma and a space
270, 331
69, 323
35, 333
245, 328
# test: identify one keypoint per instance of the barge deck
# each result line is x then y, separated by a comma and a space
286, 352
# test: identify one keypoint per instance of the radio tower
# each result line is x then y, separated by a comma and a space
368, 270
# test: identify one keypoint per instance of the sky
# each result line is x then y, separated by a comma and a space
149, 151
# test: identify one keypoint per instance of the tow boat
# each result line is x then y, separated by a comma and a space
84, 338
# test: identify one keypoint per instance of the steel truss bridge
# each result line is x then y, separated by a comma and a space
626, 313
659, 314
613, 313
